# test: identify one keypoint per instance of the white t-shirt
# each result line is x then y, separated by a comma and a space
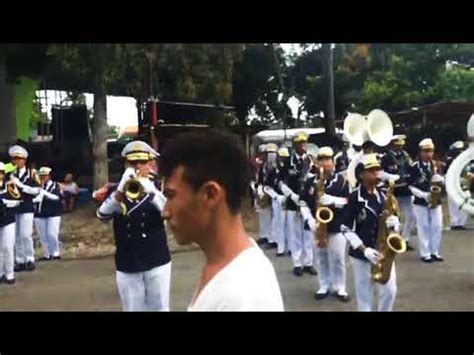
72, 187
247, 283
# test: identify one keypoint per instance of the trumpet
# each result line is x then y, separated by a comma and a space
134, 189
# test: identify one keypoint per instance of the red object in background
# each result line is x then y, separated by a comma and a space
154, 113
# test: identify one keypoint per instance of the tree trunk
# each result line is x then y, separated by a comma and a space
99, 134
7, 110
329, 114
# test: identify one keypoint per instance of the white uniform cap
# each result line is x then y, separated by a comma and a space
457, 145
262, 148
44, 170
18, 151
139, 150
426, 143
370, 161
283, 152
325, 152
2, 166
271, 148
399, 139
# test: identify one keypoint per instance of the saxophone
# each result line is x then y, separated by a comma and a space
324, 215
436, 191
389, 242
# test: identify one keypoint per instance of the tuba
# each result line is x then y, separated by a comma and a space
324, 215
457, 178
376, 127
389, 243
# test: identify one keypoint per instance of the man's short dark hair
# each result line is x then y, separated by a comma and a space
210, 155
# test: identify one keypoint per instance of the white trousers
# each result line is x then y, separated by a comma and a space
331, 265
457, 217
48, 231
364, 288
406, 205
145, 291
7, 245
301, 243
24, 249
429, 223
265, 223
279, 222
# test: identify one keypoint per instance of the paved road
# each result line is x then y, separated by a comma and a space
89, 285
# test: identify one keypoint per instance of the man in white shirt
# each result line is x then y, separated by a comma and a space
206, 174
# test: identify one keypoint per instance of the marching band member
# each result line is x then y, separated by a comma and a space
48, 215
142, 256
279, 213
341, 159
301, 243
428, 212
364, 209
458, 217
26, 181
397, 161
264, 202
330, 260
7, 231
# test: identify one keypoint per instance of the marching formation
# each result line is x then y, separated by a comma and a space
27, 198
311, 204
316, 206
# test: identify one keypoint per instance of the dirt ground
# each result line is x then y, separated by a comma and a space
85, 279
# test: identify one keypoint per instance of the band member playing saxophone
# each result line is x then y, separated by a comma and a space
365, 210
326, 194
426, 184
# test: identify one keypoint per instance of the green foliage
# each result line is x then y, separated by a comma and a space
456, 84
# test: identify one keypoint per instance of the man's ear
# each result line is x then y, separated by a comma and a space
211, 193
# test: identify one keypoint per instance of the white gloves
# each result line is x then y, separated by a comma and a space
260, 192
420, 194
437, 179
49, 195
393, 222
351, 237
127, 175
384, 176
372, 255
11, 203
17, 182
328, 200
38, 198
148, 185
281, 200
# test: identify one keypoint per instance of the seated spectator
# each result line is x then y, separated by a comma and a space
70, 193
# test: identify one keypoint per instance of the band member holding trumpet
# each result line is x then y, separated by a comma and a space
264, 202
326, 195
292, 186
27, 183
142, 256
397, 161
7, 231
426, 186
367, 211
48, 215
